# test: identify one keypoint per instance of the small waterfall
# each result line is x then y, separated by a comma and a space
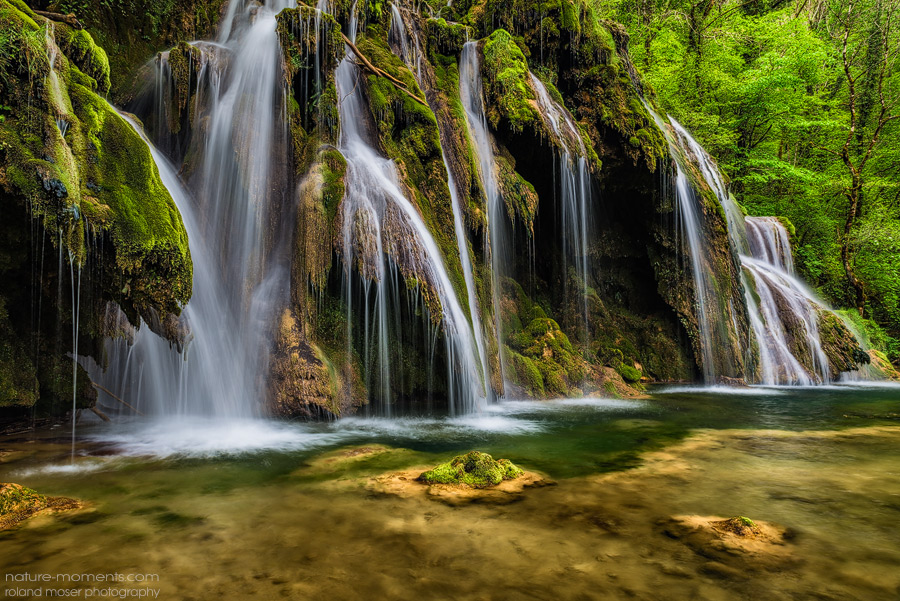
575, 194
373, 203
715, 314
400, 39
784, 304
497, 242
238, 240
769, 242
784, 313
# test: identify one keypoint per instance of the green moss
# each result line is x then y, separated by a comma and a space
474, 469
447, 38
144, 222
527, 373
510, 99
90, 58
99, 177
15, 498
629, 374
544, 361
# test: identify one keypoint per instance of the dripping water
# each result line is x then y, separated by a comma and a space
574, 194
373, 201
497, 240
400, 39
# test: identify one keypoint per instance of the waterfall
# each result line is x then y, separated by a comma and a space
715, 314
574, 194
784, 301
784, 313
374, 202
413, 62
497, 242
237, 239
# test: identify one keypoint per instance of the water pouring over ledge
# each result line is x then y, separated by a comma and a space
372, 197
784, 313
240, 263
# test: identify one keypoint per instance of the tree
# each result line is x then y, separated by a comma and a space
868, 57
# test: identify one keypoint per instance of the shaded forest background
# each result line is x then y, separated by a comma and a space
799, 102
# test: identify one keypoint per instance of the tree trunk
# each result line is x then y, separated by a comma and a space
846, 259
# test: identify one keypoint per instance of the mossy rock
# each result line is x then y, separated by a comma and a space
91, 59
18, 503
511, 101
94, 174
474, 469
447, 38
629, 374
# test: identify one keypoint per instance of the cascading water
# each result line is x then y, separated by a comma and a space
714, 313
783, 313
575, 194
240, 263
373, 201
497, 242
412, 59
782, 299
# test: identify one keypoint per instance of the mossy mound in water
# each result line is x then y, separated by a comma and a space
18, 503
475, 469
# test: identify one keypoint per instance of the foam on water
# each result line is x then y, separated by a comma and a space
77, 467
726, 390
185, 437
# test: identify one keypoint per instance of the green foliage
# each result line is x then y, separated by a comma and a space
474, 469
764, 88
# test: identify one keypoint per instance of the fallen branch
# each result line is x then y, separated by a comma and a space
381, 73
100, 414
69, 19
107, 391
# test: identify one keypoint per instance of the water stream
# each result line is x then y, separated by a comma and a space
574, 194
228, 207
497, 243
373, 200
783, 311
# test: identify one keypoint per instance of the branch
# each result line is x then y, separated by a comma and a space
376, 71
69, 19
107, 391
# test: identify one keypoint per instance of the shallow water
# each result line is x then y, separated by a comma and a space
253, 509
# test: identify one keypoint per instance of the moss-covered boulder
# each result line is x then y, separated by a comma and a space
74, 173
840, 344
18, 503
541, 360
474, 469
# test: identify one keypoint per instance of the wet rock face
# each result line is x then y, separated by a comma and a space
840, 345
301, 383
84, 210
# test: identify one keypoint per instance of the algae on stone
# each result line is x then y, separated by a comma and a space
474, 469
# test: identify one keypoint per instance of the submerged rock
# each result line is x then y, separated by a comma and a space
18, 503
733, 545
